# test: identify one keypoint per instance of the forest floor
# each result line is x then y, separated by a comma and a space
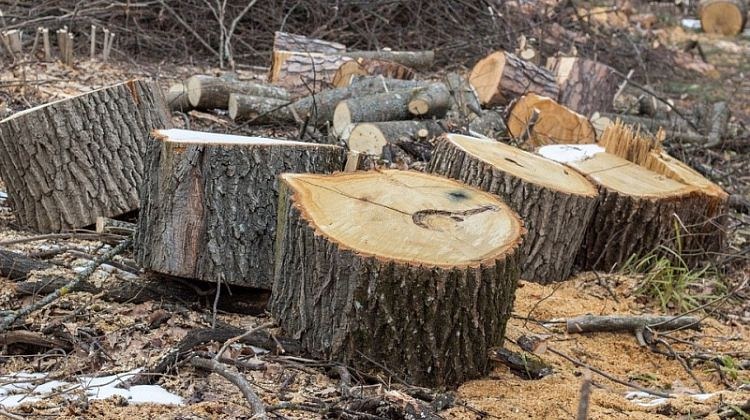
709, 378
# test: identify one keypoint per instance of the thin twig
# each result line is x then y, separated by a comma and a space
259, 409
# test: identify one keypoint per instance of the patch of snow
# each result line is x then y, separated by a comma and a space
647, 400
693, 24
22, 387
566, 153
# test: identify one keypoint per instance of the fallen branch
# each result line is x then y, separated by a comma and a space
16, 266
259, 409
247, 334
583, 402
620, 323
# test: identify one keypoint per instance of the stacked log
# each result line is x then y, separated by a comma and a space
724, 17
208, 92
555, 203
537, 120
421, 304
374, 138
68, 162
370, 67
209, 203
501, 76
586, 86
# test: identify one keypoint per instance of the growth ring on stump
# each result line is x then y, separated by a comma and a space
556, 203
70, 161
209, 203
724, 17
413, 271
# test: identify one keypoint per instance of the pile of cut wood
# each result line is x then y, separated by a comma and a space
407, 271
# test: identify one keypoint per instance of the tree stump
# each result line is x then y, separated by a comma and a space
414, 272
501, 77
70, 161
538, 120
639, 210
725, 17
555, 203
209, 203
586, 86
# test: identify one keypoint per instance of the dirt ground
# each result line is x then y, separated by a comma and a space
127, 340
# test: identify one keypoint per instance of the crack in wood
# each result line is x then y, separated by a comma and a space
419, 218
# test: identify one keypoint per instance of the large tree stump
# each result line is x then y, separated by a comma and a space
501, 77
555, 203
208, 92
209, 203
586, 86
538, 120
639, 210
725, 17
414, 272
67, 162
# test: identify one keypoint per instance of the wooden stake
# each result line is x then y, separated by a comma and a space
93, 42
45, 39
104, 44
61, 39
36, 42
13, 42
109, 45
69, 50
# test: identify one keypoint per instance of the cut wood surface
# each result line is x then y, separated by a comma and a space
419, 272
372, 138
638, 209
177, 98
68, 162
586, 86
118, 227
397, 105
293, 42
258, 109
555, 202
370, 67
725, 17
209, 203
552, 122
501, 77
208, 92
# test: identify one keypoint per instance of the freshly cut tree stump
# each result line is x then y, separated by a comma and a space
501, 77
538, 120
208, 92
414, 272
372, 138
258, 109
67, 162
370, 67
432, 100
555, 203
209, 203
639, 210
725, 17
586, 86
292, 42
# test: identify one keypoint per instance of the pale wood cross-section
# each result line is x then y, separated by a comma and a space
539, 120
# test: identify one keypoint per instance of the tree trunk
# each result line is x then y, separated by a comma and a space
258, 109
421, 304
396, 105
68, 162
586, 86
292, 42
209, 203
538, 120
639, 210
208, 92
177, 98
501, 77
555, 203
368, 67
724, 17
414, 136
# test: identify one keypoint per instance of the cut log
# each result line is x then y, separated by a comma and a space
177, 98
292, 42
626, 323
586, 86
386, 273
638, 209
554, 123
370, 67
68, 162
209, 203
725, 17
258, 109
118, 227
465, 101
208, 92
555, 203
15, 266
501, 77
490, 124
372, 138
396, 105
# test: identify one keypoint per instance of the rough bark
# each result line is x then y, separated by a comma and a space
177, 98
430, 323
258, 109
725, 17
370, 67
465, 100
501, 77
15, 266
416, 137
586, 86
618, 323
490, 124
556, 204
538, 120
70, 161
418, 60
208, 92
292, 42
209, 205
430, 101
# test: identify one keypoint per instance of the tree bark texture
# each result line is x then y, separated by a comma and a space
258, 109
586, 86
177, 98
501, 77
209, 209
70, 161
413, 136
292, 42
370, 67
208, 92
